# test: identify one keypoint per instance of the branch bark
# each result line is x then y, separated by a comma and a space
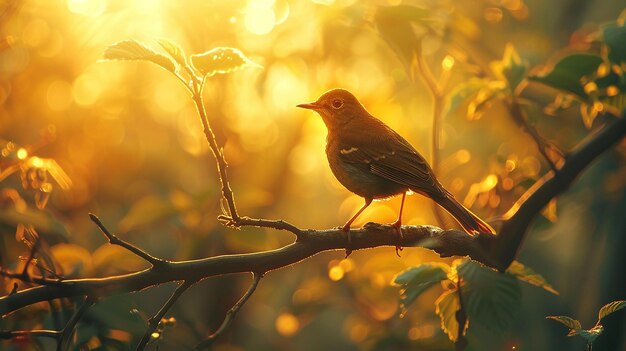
311, 242
522, 213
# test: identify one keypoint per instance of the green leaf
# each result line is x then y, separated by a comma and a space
134, 50
614, 36
416, 280
462, 92
174, 50
395, 25
566, 75
511, 67
610, 308
491, 299
529, 276
446, 306
145, 211
221, 60
591, 334
569, 322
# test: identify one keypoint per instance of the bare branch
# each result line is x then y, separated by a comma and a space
542, 145
114, 240
232, 313
446, 243
548, 187
153, 323
217, 153
13, 334
262, 223
68, 330
436, 91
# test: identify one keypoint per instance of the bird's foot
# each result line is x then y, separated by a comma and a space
398, 226
346, 229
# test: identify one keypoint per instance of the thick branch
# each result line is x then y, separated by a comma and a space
311, 242
549, 186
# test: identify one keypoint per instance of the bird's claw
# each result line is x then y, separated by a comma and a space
346, 230
398, 227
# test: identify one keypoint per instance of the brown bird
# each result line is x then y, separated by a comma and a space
373, 161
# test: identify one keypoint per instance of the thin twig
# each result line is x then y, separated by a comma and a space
216, 150
263, 223
12, 334
114, 240
68, 330
31, 257
154, 321
436, 91
231, 314
517, 114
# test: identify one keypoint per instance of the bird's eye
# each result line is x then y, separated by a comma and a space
337, 103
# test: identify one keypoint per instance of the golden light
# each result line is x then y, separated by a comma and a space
90, 8
287, 324
335, 273
22, 153
59, 95
447, 63
260, 18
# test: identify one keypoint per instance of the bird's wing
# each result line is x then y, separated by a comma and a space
390, 156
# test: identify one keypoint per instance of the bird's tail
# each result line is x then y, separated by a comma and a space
469, 221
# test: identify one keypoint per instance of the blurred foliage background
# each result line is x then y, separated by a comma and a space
123, 140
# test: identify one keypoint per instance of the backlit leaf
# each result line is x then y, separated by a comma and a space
566, 321
72, 258
134, 50
614, 36
395, 25
446, 306
610, 308
147, 210
511, 67
567, 73
416, 280
221, 60
591, 334
173, 50
492, 299
529, 276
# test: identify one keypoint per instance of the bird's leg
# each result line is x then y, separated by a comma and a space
398, 225
346, 227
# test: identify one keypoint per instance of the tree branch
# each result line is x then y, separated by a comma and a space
114, 240
542, 145
522, 213
68, 330
153, 323
231, 314
446, 243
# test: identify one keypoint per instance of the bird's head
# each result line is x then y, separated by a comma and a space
337, 106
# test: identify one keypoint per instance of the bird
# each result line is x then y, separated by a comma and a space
375, 162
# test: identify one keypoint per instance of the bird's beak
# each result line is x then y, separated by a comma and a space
311, 106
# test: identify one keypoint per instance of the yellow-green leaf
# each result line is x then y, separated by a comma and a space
221, 60
72, 258
134, 50
415, 280
610, 308
569, 322
174, 50
529, 276
446, 306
